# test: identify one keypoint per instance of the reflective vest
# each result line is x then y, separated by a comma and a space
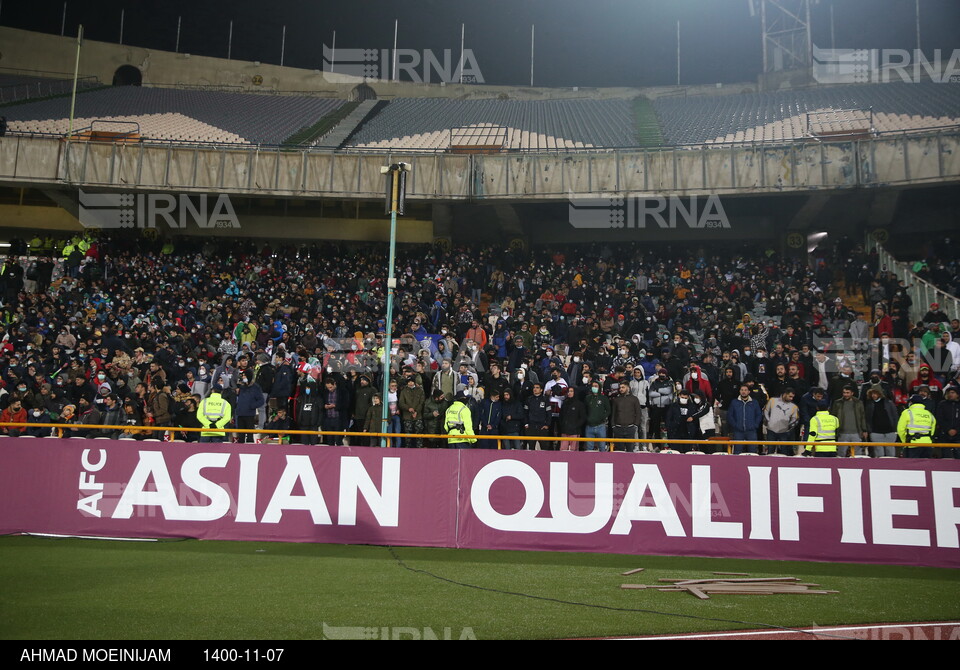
214, 412
822, 432
916, 425
458, 423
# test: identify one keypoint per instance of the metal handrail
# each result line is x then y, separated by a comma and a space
772, 144
921, 292
724, 442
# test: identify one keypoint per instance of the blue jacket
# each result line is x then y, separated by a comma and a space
249, 400
744, 416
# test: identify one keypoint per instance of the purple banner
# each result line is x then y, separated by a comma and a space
854, 510
228, 492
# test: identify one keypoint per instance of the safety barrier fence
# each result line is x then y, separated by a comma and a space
503, 441
921, 292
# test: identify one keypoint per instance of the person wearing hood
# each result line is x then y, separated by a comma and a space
362, 401
882, 419
640, 387
925, 378
249, 401
512, 418
697, 382
103, 390
309, 413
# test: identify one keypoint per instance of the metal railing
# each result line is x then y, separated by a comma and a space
169, 434
41, 88
920, 291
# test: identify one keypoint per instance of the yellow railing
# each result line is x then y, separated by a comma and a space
721, 442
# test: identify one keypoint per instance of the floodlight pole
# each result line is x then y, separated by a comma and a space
394, 172
76, 73
919, 48
532, 36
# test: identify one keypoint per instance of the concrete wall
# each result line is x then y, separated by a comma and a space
913, 159
29, 51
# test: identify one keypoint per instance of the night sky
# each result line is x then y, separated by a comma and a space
578, 42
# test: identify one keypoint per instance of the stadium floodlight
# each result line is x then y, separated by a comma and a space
396, 197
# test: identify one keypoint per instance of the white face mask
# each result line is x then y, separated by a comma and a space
694, 375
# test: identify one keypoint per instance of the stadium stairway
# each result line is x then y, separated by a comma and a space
649, 132
343, 130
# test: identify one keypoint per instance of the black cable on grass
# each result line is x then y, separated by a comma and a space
772, 626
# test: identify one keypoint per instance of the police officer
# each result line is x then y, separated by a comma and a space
458, 422
822, 432
916, 428
214, 412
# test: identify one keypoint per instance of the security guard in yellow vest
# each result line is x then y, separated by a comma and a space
458, 422
916, 428
822, 433
214, 412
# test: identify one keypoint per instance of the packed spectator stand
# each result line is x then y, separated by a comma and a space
594, 341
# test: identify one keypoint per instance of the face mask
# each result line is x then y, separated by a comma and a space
594, 390
520, 375
694, 375
683, 401
586, 380
307, 391
576, 359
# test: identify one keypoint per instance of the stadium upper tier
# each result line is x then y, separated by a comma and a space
436, 123
175, 114
441, 124
783, 115
15, 87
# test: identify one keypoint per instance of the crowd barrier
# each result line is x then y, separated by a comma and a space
896, 511
503, 441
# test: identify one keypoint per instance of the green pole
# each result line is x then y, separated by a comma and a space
391, 287
76, 72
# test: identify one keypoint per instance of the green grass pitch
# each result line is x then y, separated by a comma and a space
74, 589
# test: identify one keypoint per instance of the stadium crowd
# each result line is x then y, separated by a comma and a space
590, 341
